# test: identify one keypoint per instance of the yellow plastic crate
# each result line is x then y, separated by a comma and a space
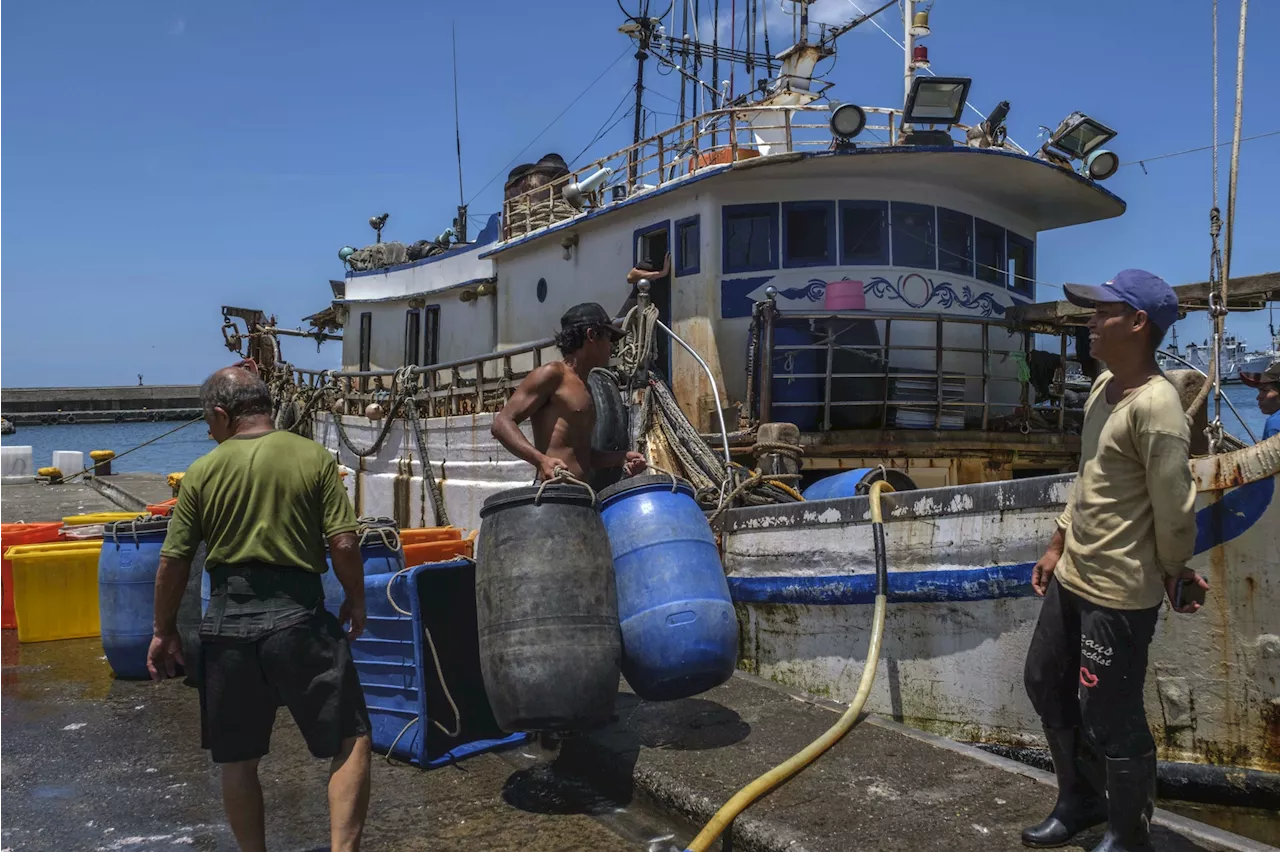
55, 590
99, 518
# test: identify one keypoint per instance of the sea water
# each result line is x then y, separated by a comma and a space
170, 454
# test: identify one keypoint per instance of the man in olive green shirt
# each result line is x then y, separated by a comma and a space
265, 503
1121, 546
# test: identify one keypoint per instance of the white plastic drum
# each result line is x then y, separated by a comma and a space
16, 463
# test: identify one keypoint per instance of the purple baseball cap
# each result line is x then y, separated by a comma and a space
1137, 288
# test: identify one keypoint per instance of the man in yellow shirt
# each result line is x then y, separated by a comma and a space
265, 503
1122, 545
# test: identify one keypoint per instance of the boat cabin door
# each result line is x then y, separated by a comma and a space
650, 248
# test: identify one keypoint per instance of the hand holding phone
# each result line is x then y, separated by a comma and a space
1187, 591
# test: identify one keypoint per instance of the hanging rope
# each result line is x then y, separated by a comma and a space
638, 348
430, 487
1220, 258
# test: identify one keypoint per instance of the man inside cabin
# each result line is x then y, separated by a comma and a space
556, 398
266, 502
1122, 545
1267, 384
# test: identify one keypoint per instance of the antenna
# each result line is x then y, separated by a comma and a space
460, 224
641, 27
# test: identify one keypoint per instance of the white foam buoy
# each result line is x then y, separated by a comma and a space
16, 462
70, 462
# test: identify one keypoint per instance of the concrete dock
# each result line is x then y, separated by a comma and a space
97, 763
124, 492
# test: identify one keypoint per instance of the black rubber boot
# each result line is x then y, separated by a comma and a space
1131, 800
1080, 803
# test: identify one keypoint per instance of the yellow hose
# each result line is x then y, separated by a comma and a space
747, 796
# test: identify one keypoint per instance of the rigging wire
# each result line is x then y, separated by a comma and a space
1214, 147
626, 51
457, 122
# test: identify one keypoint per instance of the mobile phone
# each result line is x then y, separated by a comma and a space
1187, 592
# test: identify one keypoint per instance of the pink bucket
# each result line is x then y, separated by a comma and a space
845, 295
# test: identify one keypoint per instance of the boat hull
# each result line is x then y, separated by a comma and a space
962, 610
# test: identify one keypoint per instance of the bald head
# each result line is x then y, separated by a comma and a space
237, 392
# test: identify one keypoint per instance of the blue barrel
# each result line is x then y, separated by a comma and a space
788, 365
379, 551
856, 483
679, 631
127, 570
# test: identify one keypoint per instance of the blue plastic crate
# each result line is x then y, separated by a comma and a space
398, 674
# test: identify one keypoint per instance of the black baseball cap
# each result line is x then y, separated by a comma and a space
591, 315
1269, 376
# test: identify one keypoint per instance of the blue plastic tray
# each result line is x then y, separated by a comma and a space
399, 676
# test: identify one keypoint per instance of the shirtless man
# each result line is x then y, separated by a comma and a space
556, 397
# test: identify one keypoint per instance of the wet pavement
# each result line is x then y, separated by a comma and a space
95, 763
883, 787
33, 502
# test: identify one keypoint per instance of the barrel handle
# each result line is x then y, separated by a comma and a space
675, 480
389, 537
562, 476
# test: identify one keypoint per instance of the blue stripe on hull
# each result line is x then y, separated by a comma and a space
971, 584
1216, 524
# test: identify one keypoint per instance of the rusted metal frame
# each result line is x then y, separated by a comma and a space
1026, 360
986, 375
768, 313
884, 408
733, 136
937, 418
786, 118
831, 351
1062, 397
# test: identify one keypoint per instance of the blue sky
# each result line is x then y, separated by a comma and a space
162, 159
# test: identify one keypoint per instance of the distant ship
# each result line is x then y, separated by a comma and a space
1236, 357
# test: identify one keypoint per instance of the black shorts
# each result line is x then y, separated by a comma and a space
306, 667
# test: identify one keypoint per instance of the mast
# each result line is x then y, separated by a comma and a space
684, 57
908, 50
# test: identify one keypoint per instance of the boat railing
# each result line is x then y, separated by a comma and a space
481, 383
711, 140
960, 380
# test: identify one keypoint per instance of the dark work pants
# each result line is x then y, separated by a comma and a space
1086, 668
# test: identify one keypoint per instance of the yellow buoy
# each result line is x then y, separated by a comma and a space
53, 473
175, 482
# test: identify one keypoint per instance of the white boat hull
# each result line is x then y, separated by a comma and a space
962, 610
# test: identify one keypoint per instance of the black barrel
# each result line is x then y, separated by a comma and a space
612, 431
547, 610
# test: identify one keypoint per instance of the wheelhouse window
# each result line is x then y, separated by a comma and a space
412, 336
914, 235
989, 252
808, 233
864, 233
750, 237
688, 257
1021, 264
955, 242
366, 339
431, 347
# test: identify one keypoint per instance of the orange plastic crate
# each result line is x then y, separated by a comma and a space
12, 535
438, 551
165, 508
425, 535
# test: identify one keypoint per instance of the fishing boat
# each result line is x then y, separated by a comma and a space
852, 288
